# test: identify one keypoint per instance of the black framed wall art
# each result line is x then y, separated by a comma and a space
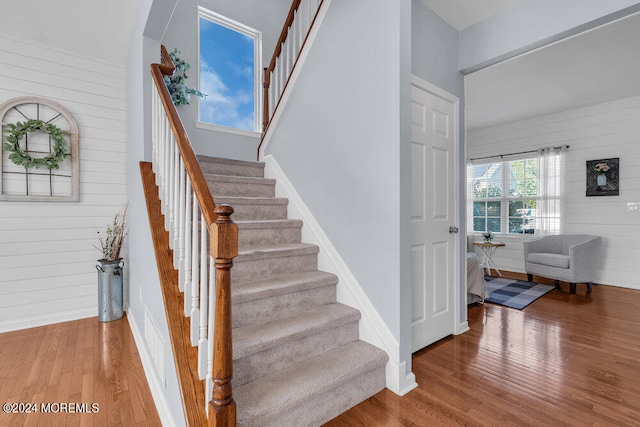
603, 177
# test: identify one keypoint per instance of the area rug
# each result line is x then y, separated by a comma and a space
514, 293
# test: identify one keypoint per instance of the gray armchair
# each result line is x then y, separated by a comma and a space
569, 257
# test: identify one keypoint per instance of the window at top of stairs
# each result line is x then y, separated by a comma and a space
229, 65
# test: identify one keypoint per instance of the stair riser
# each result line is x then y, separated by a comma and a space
281, 306
259, 212
268, 236
243, 271
278, 358
231, 170
318, 410
241, 189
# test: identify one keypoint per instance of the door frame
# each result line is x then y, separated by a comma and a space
460, 322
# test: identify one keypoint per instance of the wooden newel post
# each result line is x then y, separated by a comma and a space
224, 247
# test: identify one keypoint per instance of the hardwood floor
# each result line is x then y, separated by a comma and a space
83, 361
564, 360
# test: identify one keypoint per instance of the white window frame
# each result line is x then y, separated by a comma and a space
257, 61
504, 199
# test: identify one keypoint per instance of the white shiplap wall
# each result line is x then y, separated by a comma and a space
599, 131
47, 261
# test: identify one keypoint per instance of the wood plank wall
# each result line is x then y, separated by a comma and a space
600, 131
47, 261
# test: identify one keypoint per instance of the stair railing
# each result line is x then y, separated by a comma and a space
293, 37
193, 221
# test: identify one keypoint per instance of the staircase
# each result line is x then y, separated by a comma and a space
297, 358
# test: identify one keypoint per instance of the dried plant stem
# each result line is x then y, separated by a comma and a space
114, 237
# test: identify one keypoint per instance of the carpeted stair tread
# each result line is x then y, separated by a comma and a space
276, 251
223, 166
269, 223
209, 177
260, 402
224, 160
258, 337
255, 208
231, 185
259, 289
229, 200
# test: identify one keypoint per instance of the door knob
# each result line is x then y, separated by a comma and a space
453, 230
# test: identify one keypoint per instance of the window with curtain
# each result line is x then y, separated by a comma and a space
517, 196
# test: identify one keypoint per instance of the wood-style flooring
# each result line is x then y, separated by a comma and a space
83, 361
564, 360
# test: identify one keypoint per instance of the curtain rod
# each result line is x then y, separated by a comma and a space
515, 154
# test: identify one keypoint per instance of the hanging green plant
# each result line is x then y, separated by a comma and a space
15, 133
176, 83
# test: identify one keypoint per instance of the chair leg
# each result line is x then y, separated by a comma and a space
529, 277
588, 286
572, 288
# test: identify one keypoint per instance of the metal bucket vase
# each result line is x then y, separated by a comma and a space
109, 290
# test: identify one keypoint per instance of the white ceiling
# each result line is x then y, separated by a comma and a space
597, 66
97, 28
461, 14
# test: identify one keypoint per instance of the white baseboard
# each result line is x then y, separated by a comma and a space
462, 328
157, 389
397, 379
372, 328
47, 319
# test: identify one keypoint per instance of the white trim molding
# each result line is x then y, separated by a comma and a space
47, 319
372, 328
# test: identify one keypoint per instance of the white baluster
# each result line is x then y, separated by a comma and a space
292, 52
178, 192
272, 104
154, 120
186, 245
281, 71
299, 22
171, 188
293, 32
202, 342
195, 278
178, 254
154, 131
276, 89
161, 155
286, 52
211, 320
165, 174
159, 117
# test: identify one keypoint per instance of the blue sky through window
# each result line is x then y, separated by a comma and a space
227, 76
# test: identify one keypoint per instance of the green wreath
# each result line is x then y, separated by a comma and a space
17, 131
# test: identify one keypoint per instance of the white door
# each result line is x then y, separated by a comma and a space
434, 181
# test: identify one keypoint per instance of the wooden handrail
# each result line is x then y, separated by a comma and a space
200, 187
223, 247
268, 71
266, 82
283, 34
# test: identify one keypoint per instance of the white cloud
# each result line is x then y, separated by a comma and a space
220, 106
